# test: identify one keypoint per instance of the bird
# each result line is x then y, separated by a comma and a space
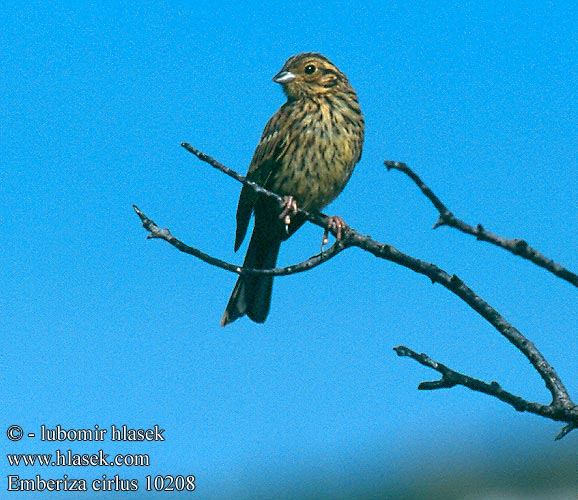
306, 154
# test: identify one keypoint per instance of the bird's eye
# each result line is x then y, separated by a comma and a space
310, 69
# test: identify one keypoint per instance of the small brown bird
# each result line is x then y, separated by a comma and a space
307, 153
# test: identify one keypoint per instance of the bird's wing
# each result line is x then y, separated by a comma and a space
271, 148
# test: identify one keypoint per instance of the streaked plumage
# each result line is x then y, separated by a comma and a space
308, 150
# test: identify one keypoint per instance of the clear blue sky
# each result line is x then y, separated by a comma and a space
101, 326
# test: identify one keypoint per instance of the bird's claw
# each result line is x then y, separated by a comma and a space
289, 206
337, 224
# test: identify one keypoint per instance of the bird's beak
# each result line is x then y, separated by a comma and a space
284, 77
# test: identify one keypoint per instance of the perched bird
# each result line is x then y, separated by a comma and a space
307, 153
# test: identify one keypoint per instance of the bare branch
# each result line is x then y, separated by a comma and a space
459, 288
516, 246
451, 378
306, 265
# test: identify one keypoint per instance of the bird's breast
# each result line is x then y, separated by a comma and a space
318, 158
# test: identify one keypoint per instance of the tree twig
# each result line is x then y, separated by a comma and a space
451, 378
306, 265
515, 246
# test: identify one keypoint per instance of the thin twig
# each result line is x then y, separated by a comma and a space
451, 378
306, 265
516, 246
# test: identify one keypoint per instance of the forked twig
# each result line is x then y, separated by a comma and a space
516, 246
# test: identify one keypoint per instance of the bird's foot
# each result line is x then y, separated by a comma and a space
337, 224
289, 207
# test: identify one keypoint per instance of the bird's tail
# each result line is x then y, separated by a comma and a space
252, 293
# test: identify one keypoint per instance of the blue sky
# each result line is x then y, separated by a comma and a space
101, 326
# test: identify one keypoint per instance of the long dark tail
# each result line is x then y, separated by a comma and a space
252, 294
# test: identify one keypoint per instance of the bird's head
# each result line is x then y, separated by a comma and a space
310, 74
